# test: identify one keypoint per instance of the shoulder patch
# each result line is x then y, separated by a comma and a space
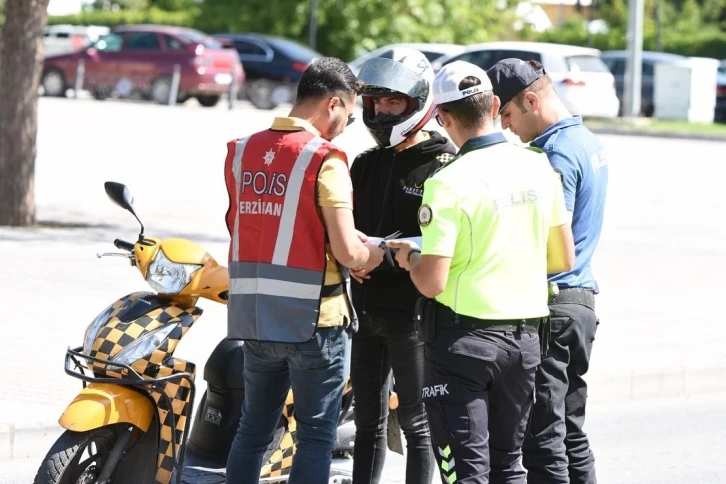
424, 215
444, 157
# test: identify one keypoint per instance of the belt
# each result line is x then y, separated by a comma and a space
448, 319
575, 295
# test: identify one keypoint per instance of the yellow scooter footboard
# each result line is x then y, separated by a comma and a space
101, 404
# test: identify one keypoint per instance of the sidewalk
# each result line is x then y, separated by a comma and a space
626, 130
655, 128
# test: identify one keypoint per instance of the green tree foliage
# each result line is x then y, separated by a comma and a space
346, 28
714, 11
372, 23
275, 17
688, 27
174, 5
120, 4
677, 16
111, 18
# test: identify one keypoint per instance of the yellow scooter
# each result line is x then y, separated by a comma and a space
130, 423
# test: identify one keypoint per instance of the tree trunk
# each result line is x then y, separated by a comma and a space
20, 69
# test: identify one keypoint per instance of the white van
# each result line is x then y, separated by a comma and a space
62, 39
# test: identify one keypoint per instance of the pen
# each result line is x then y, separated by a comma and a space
387, 249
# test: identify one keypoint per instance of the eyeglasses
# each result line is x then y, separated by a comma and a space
351, 118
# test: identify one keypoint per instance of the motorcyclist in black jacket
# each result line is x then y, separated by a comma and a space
387, 189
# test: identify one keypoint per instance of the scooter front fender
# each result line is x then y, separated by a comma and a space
101, 404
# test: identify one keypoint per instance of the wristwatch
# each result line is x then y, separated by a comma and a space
412, 251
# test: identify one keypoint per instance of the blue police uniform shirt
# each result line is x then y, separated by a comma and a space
578, 157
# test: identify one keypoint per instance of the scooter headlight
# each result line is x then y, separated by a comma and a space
93, 328
169, 277
143, 346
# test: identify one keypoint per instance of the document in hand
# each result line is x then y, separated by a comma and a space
381, 242
415, 240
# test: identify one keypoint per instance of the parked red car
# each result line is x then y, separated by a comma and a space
139, 60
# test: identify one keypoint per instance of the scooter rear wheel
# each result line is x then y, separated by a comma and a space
67, 462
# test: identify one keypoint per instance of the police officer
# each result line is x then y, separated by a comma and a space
493, 223
388, 186
290, 194
557, 449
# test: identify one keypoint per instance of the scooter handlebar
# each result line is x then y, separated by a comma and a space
122, 244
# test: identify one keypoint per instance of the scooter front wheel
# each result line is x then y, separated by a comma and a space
80, 457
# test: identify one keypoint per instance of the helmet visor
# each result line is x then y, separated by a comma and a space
383, 75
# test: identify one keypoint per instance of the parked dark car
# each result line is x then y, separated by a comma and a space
616, 59
139, 61
273, 66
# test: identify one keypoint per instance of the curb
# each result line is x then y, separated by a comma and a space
657, 134
26, 441
642, 385
32, 441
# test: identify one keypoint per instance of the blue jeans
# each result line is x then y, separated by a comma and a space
316, 370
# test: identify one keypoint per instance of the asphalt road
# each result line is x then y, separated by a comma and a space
653, 441
659, 266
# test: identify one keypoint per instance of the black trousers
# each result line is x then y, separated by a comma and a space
557, 450
479, 393
381, 345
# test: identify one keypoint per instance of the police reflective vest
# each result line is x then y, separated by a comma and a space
277, 252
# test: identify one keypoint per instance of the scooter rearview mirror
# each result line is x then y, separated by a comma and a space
121, 196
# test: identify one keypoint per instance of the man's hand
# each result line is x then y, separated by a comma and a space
359, 274
404, 248
375, 257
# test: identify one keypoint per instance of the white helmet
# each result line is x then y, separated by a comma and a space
403, 71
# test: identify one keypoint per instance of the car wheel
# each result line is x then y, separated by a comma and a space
208, 101
160, 90
100, 93
260, 94
54, 83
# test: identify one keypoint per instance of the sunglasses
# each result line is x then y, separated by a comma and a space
351, 118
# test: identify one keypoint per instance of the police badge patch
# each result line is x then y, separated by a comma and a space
424, 215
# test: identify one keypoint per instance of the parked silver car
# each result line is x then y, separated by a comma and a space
580, 77
432, 51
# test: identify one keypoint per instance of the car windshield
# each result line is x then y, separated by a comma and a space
197, 37
586, 63
293, 50
432, 56
109, 43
